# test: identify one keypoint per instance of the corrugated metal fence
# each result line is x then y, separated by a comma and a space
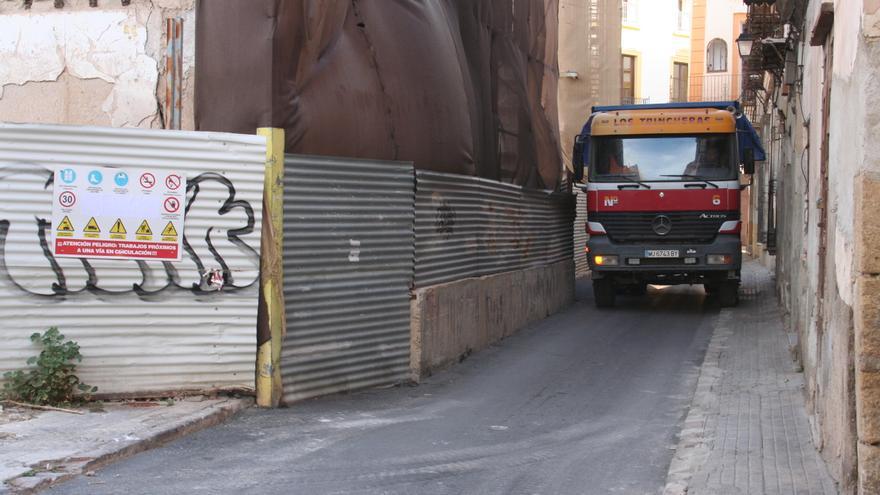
142, 326
358, 236
470, 227
348, 266
351, 231
581, 268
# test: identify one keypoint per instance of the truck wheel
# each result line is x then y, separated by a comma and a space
728, 293
604, 293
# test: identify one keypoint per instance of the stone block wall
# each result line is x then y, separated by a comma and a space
451, 321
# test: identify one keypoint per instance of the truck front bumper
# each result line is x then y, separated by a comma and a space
692, 263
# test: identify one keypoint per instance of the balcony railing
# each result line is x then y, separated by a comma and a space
628, 100
715, 87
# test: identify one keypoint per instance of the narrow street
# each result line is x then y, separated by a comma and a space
587, 401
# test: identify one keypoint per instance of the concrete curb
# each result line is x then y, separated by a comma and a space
693, 445
54, 471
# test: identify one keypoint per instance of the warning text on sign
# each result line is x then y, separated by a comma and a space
112, 213
117, 249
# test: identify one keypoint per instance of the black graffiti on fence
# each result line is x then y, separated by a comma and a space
445, 221
172, 278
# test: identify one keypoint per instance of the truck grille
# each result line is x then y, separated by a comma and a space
687, 227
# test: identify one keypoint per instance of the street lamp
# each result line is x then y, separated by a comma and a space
744, 44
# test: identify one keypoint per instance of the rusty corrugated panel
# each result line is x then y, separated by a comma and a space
348, 266
173, 72
143, 326
470, 227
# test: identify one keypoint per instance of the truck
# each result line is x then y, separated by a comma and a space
663, 187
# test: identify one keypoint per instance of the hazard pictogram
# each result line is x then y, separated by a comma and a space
144, 229
173, 182
118, 227
65, 225
172, 205
118, 230
92, 227
148, 180
169, 231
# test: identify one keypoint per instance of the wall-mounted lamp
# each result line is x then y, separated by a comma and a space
570, 74
745, 43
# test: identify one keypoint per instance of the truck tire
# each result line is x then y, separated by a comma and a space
728, 293
604, 293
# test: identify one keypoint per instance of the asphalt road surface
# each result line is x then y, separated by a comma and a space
587, 401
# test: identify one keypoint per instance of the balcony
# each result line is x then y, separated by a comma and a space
715, 87
629, 100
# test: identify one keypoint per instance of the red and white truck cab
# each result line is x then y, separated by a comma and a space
663, 195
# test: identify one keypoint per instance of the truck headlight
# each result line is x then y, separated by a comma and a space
719, 259
605, 260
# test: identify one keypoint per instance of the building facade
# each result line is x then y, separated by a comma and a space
656, 50
812, 78
715, 62
590, 27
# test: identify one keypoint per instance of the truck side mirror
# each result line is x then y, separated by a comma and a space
748, 161
577, 158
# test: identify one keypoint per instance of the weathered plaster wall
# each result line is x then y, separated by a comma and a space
823, 304
90, 66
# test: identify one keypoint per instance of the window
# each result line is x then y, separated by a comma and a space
679, 87
716, 56
682, 16
630, 11
628, 80
668, 158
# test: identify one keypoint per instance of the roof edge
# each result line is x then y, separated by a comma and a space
720, 105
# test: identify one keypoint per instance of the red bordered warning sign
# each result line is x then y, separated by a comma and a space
147, 180
95, 222
173, 182
67, 199
172, 205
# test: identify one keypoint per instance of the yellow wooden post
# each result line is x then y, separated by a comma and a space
271, 318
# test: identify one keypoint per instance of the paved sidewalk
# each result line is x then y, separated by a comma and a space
41, 448
747, 431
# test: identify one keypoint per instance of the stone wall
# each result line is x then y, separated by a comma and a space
825, 263
450, 321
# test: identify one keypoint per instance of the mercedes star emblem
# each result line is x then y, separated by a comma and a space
662, 225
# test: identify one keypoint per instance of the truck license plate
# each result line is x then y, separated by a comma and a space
661, 253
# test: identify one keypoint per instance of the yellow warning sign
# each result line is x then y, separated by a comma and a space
118, 230
65, 228
144, 229
169, 231
144, 232
91, 229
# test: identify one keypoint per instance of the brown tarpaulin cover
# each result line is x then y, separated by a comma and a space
459, 86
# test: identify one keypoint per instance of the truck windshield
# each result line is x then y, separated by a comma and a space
664, 158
